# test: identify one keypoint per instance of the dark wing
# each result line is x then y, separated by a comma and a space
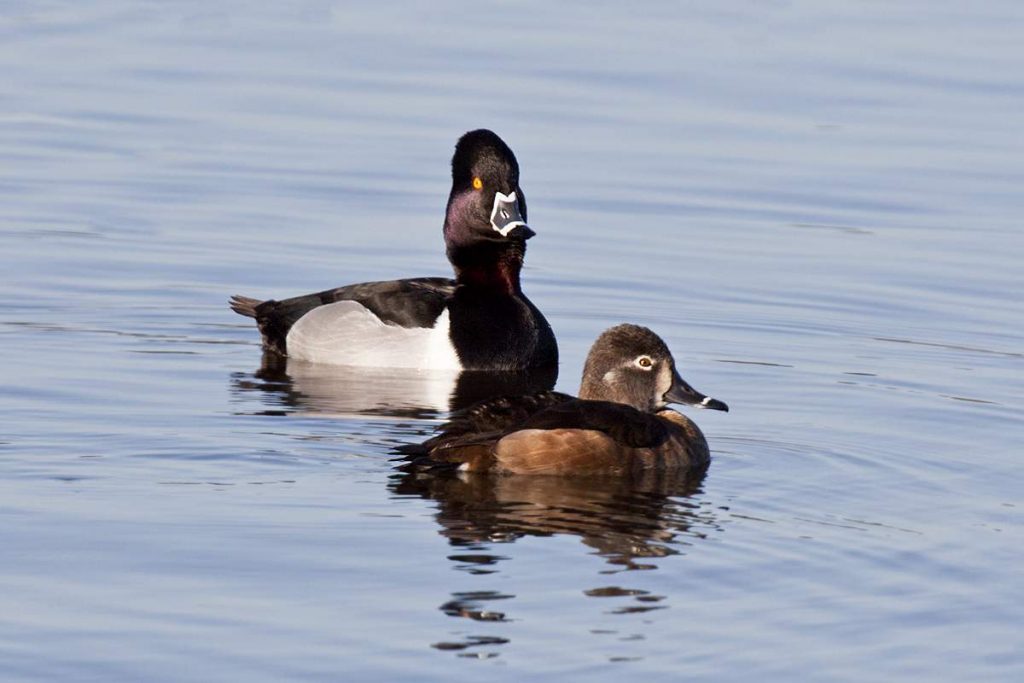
479, 426
625, 424
503, 414
414, 302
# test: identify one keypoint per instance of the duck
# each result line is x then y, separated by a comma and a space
619, 424
478, 320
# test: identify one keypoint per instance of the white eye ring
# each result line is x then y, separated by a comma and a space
644, 362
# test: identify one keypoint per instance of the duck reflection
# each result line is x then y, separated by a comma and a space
624, 519
628, 521
288, 385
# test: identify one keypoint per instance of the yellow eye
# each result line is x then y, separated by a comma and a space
643, 361
477, 183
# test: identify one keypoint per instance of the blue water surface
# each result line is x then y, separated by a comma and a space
817, 205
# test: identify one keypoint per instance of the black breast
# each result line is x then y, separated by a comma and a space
498, 331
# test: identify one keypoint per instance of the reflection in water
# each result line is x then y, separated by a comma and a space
468, 604
339, 391
625, 520
629, 521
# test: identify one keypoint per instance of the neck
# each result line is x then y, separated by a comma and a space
605, 388
489, 265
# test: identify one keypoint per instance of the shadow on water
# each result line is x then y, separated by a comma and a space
628, 521
288, 386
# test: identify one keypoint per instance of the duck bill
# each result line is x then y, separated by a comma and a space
506, 216
683, 393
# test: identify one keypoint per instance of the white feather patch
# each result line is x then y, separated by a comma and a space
347, 333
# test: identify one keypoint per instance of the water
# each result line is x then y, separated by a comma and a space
817, 206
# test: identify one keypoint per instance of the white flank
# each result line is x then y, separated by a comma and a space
346, 333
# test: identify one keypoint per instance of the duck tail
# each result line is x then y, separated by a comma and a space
473, 456
244, 305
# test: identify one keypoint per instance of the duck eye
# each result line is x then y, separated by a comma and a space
477, 183
644, 362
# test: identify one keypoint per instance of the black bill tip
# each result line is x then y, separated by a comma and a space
681, 392
523, 232
714, 404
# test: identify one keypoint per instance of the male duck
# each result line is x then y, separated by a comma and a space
481, 320
619, 424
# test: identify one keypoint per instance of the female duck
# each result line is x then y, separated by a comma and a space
481, 320
619, 423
